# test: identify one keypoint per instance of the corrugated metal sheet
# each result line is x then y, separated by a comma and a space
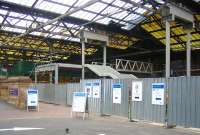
145, 110
184, 101
108, 106
72, 87
40, 88
46, 92
61, 94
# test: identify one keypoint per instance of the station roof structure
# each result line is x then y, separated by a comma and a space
60, 39
178, 35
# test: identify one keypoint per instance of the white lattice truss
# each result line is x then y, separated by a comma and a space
130, 66
133, 66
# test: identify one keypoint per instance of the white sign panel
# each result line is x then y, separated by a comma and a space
158, 93
137, 91
88, 89
32, 97
117, 88
96, 89
79, 101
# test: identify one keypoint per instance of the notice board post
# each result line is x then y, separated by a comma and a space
79, 103
32, 99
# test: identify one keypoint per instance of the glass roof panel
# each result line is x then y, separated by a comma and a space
22, 2
104, 20
132, 17
12, 21
29, 18
119, 3
140, 10
120, 15
74, 39
23, 23
139, 19
97, 7
184, 38
13, 29
148, 5
36, 33
81, 2
117, 10
136, 1
195, 36
1, 19
83, 15
14, 14
160, 1
52, 7
66, 2
107, 1
48, 27
110, 10
58, 29
3, 12
40, 19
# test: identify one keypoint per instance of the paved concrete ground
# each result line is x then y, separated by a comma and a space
8, 111
57, 124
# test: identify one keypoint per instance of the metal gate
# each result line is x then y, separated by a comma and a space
145, 110
112, 108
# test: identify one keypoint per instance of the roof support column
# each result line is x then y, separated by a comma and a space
50, 51
83, 57
56, 74
188, 54
50, 77
167, 51
104, 55
36, 76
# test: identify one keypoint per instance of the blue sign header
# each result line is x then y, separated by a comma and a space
80, 94
32, 91
158, 85
117, 85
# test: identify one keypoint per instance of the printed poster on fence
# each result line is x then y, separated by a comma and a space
88, 89
117, 88
96, 89
13, 92
137, 91
158, 93
79, 101
32, 97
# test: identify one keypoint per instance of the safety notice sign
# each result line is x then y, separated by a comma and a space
79, 101
88, 89
117, 88
158, 93
137, 91
96, 89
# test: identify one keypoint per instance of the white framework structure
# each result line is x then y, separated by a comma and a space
130, 66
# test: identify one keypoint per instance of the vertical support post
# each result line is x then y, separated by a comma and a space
56, 74
102, 96
50, 51
83, 57
104, 55
35, 76
167, 51
188, 54
167, 69
50, 77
